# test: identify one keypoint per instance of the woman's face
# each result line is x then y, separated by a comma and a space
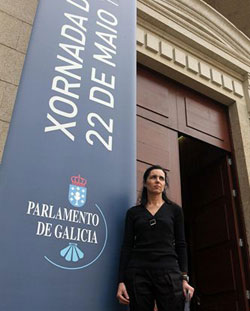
155, 182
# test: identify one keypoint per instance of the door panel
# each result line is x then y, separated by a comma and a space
216, 254
216, 264
156, 98
157, 144
202, 118
214, 182
205, 237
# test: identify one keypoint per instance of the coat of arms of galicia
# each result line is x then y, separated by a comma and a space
77, 191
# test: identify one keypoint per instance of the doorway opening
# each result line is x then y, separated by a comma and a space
211, 227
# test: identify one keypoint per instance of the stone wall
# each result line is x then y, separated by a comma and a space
16, 19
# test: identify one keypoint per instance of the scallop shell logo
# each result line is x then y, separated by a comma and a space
88, 238
72, 252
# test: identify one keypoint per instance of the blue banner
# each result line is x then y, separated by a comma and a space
68, 171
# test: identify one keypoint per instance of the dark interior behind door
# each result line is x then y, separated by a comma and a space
212, 228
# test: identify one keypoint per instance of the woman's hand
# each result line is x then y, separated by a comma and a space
187, 289
122, 294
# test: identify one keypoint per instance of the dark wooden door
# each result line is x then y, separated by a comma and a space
202, 118
164, 110
216, 257
172, 105
157, 136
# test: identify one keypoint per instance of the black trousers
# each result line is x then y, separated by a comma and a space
145, 286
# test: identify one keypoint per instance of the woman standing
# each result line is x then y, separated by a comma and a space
153, 263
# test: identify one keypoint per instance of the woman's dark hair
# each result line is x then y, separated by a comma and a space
144, 194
